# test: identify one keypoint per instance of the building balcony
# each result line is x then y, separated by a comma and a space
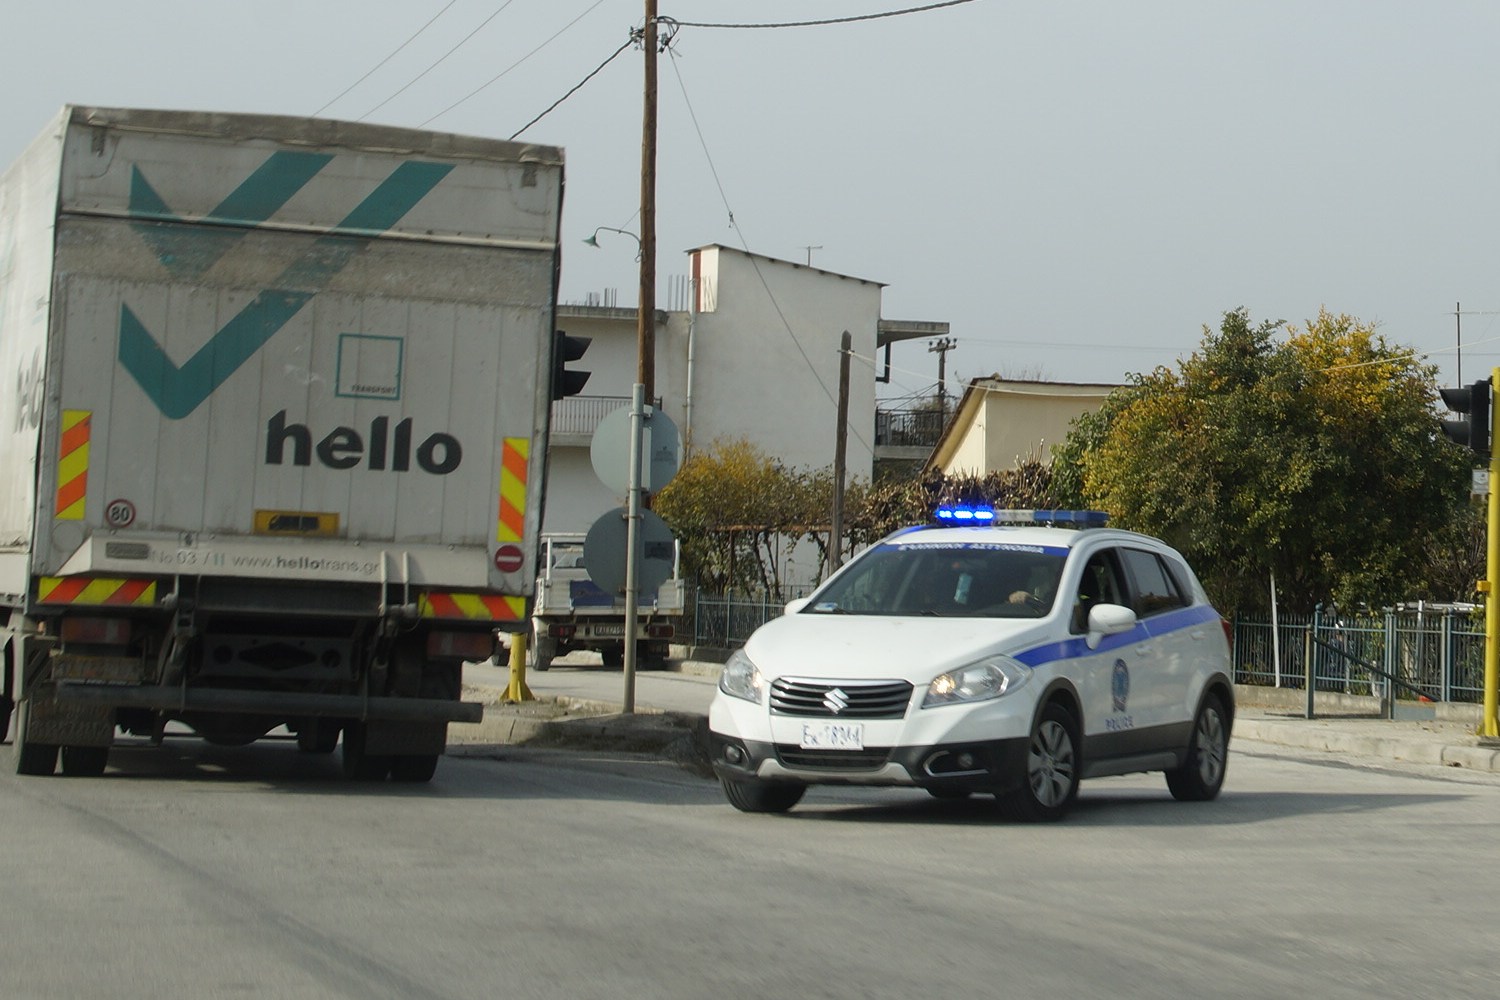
575, 418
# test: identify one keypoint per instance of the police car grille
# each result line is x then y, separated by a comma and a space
868, 759
884, 700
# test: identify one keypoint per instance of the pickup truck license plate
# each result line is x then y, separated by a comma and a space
833, 736
603, 630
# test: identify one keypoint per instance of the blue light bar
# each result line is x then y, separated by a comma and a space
961, 514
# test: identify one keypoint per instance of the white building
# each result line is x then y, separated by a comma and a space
755, 356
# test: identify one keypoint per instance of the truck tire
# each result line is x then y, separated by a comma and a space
543, 653
359, 765
84, 762
414, 768
30, 758
318, 736
5, 707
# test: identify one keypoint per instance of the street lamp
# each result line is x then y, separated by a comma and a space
593, 240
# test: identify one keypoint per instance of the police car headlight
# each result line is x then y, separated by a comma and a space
981, 681
741, 678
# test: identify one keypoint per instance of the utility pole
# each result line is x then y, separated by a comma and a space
841, 437
941, 347
645, 327
646, 317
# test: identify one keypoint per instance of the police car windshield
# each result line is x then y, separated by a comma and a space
946, 579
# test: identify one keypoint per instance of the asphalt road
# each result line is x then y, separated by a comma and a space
195, 871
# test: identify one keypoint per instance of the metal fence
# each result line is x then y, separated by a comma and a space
1438, 652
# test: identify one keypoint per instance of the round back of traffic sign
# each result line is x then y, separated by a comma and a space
604, 552
661, 450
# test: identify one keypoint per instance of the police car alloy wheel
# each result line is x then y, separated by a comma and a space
997, 653
1202, 774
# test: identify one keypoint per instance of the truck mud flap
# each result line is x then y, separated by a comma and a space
285, 704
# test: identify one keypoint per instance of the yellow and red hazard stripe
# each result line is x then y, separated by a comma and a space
94, 590
73, 464
511, 524
472, 607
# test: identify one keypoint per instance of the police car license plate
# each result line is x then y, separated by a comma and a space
833, 736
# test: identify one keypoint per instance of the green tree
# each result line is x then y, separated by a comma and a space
1316, 457
741, 514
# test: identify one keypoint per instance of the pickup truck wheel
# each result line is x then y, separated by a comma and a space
414, 768
84, 762
359, 765
612, 657
28, 757
543, 653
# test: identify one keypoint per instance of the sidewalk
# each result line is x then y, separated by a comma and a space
1346, 726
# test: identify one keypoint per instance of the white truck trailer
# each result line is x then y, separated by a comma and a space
273, 454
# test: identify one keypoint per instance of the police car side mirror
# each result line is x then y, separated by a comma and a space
792, 607
1108, 619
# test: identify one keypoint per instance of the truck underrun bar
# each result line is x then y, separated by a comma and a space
279, 703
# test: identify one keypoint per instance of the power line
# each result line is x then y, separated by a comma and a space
410, 38
634, 37
809, 24
754, 262
440, 59
503, 72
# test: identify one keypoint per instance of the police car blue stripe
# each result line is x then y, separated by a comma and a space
1160, 625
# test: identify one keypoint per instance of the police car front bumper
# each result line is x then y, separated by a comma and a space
976, 766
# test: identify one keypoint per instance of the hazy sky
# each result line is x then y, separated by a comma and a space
1076, 187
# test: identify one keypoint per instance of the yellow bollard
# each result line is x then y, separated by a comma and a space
518, 691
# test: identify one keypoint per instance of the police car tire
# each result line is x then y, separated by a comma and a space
754, 796
1054, 740
1202, 772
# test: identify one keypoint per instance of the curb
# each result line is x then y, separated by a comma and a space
1307, 735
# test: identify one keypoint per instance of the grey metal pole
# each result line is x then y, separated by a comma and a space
632, 542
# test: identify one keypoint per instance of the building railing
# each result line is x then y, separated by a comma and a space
908, 428
580, 415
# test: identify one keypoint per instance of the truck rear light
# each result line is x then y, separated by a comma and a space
96, 631
659, 630
460, 645
561, 631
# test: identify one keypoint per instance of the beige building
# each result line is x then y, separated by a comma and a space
1002, 422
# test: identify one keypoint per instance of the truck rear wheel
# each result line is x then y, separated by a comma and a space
84, 762
28, 757
358, 764
414, 768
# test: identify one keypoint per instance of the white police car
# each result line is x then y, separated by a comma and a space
996, 652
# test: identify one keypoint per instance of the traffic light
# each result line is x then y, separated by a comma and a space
564, 350
1474, 429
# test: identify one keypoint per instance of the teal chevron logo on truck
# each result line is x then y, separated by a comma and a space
178, 390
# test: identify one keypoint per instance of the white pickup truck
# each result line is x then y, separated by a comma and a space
572, 612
